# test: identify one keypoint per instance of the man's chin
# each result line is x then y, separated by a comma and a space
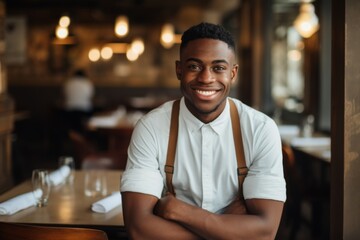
207, 108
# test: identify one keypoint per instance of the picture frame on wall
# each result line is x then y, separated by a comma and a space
15, 40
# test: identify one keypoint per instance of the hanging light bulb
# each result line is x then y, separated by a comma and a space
94, 54
167, 35
121, 26
64, 21
131, 55
138, 45
307, 23
61, 32
106, 53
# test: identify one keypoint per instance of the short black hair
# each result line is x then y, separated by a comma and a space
207, 30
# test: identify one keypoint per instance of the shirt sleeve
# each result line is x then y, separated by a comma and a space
142, 172
142, 181
265, 179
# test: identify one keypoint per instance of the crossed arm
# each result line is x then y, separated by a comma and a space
147, 217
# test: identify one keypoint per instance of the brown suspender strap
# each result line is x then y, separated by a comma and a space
170, 158
239, 148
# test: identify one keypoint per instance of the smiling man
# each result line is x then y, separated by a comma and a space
183, 180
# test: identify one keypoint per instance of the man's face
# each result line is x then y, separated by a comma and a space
206, 71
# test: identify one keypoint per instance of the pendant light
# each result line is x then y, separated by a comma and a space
306, 23
167, 35
121, 26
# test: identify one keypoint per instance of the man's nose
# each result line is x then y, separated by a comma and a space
206, 76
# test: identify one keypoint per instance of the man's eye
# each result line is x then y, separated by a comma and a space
194, 67
219, 68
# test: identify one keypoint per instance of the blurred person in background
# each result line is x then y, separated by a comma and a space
78, 100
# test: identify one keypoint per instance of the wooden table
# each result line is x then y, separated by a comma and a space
318, 152
312, 190
69, 207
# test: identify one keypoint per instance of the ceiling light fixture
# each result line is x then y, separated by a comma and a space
138, 45
131, 55
94, 54
62, 32
306, 23
121, 26
167, 35
106, 53
64, 21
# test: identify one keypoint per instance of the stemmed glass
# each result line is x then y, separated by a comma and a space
41, 186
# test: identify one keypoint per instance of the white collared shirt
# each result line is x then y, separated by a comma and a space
78, 92
205, 166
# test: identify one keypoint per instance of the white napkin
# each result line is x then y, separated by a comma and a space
311, 142
108, 120
104, 121
107, 204
289, 130
18, 203
58, 176
326, 154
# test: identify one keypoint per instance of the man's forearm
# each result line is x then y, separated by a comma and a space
234, 225
141, 223
154, 227
223, 226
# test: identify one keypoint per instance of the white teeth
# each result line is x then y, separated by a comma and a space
206, 93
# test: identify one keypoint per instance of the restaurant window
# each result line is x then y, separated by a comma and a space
287, 57
287, 74
301, 67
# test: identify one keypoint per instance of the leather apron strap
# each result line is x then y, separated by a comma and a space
170, 158
242, 170
239, 148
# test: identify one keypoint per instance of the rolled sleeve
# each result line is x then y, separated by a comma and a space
142, 181
265, 187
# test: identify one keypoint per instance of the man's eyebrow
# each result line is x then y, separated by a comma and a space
193, 59
213, 62
220, 61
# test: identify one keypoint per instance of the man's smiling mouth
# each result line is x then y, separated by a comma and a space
205, 93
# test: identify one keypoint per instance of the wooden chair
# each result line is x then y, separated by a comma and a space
88, 156
13, 231
299, 191
291, 208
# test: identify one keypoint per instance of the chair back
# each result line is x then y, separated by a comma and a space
88, 156
13, 231
81, 145
289, 162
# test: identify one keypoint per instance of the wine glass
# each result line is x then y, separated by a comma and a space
41, 186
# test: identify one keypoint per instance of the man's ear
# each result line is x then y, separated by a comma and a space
234, 72
178, 69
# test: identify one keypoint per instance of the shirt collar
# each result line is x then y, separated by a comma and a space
194, 124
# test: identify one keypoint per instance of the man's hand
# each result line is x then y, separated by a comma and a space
142, 223
166, 206
238, 206
258, 218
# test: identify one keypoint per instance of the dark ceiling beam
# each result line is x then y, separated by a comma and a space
145, 12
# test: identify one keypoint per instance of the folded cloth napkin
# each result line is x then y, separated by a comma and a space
289, 130
311, 142
107, 204
18, 203
58, 176
104, 121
